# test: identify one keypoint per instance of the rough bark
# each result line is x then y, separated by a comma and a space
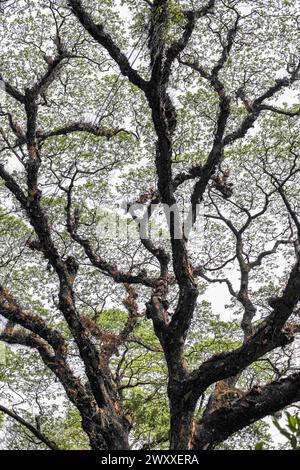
99, 403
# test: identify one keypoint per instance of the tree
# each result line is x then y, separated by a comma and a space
164, 106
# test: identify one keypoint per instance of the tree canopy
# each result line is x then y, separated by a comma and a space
149, 223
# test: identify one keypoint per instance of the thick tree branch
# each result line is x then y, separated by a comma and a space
13, 186
87, 127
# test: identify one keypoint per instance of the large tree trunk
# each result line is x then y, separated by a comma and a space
113, 436
182, 425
